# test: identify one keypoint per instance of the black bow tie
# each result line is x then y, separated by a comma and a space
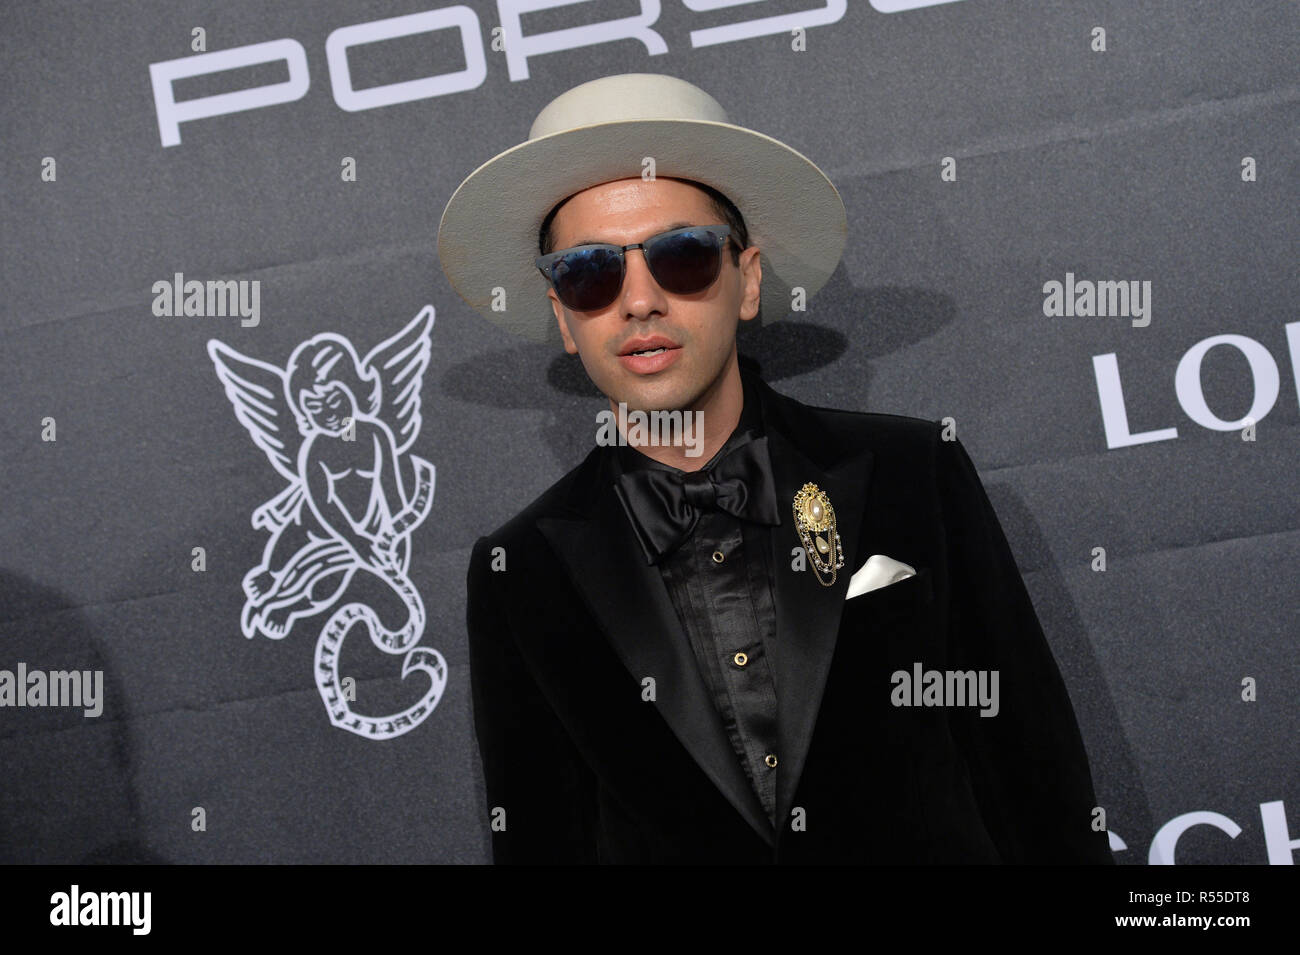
664, 506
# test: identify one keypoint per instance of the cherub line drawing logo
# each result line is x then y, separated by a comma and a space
339, 430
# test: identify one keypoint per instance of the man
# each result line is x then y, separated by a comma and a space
790, 635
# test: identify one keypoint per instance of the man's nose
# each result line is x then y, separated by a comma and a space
641, 293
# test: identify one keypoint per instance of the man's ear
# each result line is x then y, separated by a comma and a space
751, 283
558, 309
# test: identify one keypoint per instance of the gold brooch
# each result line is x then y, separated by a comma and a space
814, 517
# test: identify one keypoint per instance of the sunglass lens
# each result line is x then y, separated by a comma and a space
588, 279
686, 262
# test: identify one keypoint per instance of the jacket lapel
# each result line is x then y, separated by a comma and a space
807, 612
630, 601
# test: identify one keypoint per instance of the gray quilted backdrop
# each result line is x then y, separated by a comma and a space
984, 149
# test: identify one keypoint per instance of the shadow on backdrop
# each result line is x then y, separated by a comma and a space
867, 323
1115, 774
68, 797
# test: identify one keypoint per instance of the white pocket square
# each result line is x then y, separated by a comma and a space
879, 571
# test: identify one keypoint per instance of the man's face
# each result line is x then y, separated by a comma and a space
700, 328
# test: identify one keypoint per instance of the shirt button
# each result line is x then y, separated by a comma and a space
741, 659
718, 557
770, 760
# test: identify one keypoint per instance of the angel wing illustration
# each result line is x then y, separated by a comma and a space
313, 539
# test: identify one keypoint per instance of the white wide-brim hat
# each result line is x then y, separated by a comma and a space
602, 131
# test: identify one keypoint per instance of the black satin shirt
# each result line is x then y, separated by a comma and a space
720, 581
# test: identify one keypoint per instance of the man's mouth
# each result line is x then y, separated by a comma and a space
651, 345
645, 356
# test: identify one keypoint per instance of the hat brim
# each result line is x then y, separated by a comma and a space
487, 238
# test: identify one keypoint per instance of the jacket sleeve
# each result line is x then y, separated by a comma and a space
1028, 767
541, 804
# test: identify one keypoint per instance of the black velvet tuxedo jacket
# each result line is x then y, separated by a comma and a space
571, 626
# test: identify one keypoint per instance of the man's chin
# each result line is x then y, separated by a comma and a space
660, 394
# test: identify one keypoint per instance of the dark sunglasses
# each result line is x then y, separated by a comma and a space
682, 261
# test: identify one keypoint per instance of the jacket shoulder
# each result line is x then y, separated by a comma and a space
576, 484
892, 435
